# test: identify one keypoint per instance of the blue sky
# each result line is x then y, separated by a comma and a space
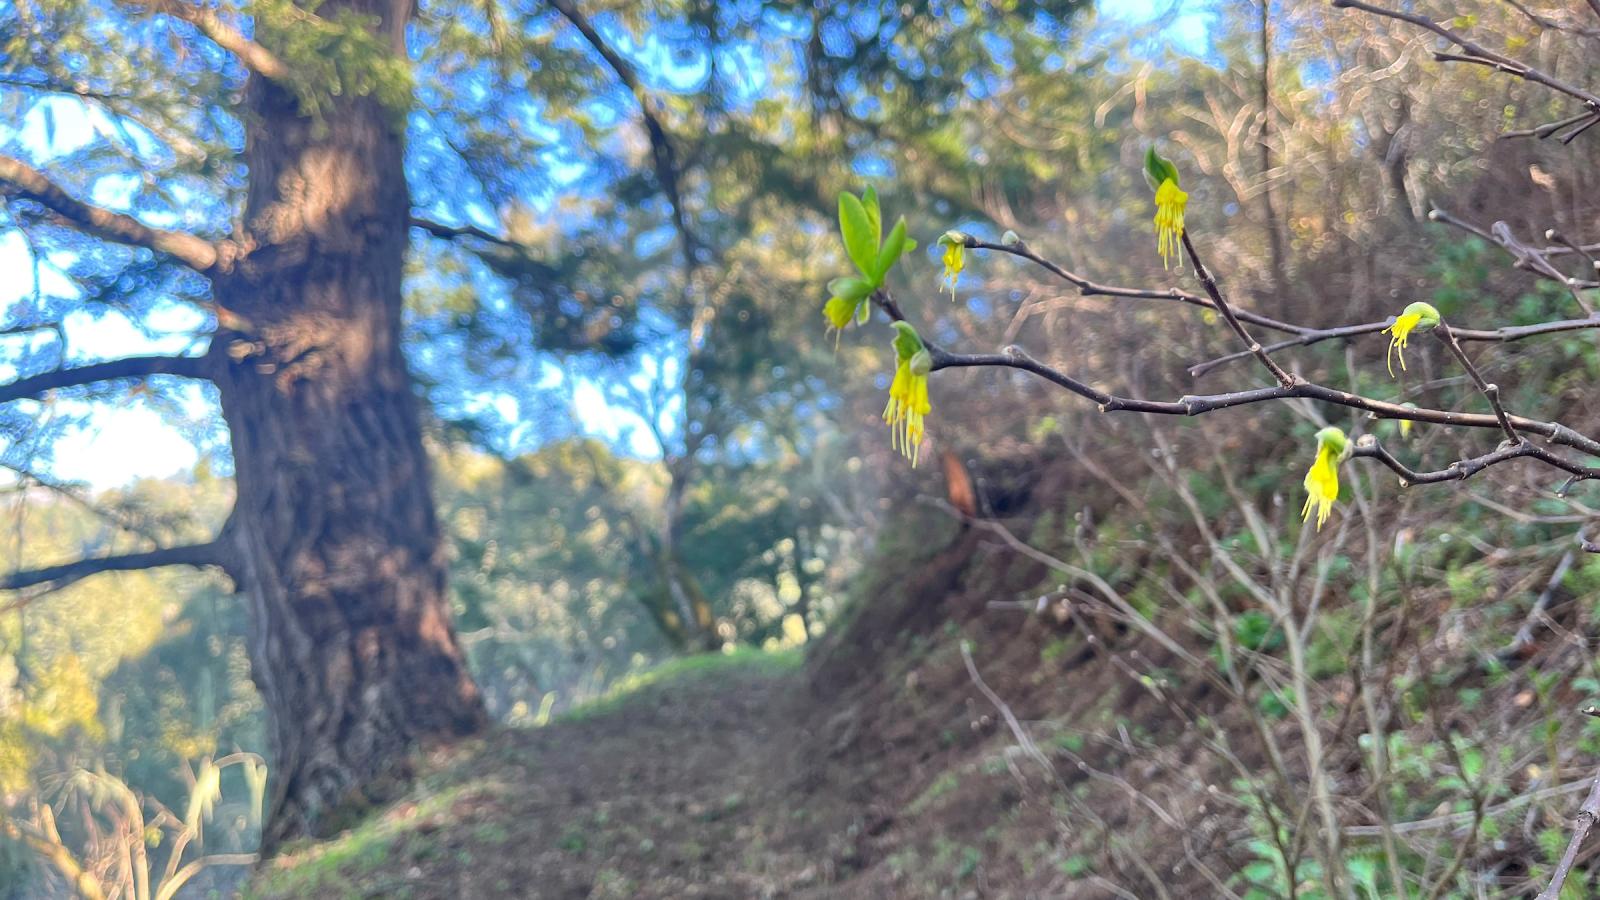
120, 443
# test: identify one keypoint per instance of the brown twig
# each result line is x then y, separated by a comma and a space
1587, 814
1210, 283
1090, 288
1478, 53
1490, 391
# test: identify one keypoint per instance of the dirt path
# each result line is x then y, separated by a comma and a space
682, 789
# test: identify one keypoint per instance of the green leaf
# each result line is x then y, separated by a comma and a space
1158, 169
855, 226
889, 253
869, 201
850, 288
906, 340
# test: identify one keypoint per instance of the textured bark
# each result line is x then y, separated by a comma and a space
338, 549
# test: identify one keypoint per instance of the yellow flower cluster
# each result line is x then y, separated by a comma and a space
908, 393
955, 248
1170, 202
1322, 481
1417, 315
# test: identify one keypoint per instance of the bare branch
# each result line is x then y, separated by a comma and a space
59, 857
170, 886
1587, 814
21, 179
1227, 313
211, 553
33, 386
1478, 53
1547, 129
1490, 391
1317, 335
1090, 288
662, 152
1459, 470
1522, 641
452, 232
1193, 405
1529, 258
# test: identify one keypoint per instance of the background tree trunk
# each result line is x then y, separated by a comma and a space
338, 547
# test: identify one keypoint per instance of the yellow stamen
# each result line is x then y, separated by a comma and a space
1170, 201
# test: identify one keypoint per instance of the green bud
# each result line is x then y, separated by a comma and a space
1158, 169
1334, 439
1429, 317
921, 362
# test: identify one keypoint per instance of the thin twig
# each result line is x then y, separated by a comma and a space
1587, 814
1210, 283
1490, 391
1479, 52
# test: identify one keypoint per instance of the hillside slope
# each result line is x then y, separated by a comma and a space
749, 776
983, 726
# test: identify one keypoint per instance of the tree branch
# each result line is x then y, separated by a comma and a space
255, 57
33, 386
1478, 52
59, 857
452, 232
1090, 288
1222, 306
21, 179
663, 155
1193, 405
1368, 447
1014, 357
1317, 335
1489, 391
1588, 813
211, 553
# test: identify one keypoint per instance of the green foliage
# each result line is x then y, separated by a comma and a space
345, 55
861, 227
627, 690
1159, 169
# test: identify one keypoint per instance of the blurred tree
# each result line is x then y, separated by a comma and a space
281, 153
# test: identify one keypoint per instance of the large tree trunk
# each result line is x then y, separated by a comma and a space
338, 547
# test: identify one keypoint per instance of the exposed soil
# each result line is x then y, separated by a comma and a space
680, 790
879, 770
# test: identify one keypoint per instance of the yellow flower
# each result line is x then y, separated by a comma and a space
1417, 315
955, 249
1170, 202
908, 394
1322, 480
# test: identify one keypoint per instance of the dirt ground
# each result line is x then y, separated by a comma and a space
682, 790
875, 770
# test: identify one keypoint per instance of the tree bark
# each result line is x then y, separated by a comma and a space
337, 544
